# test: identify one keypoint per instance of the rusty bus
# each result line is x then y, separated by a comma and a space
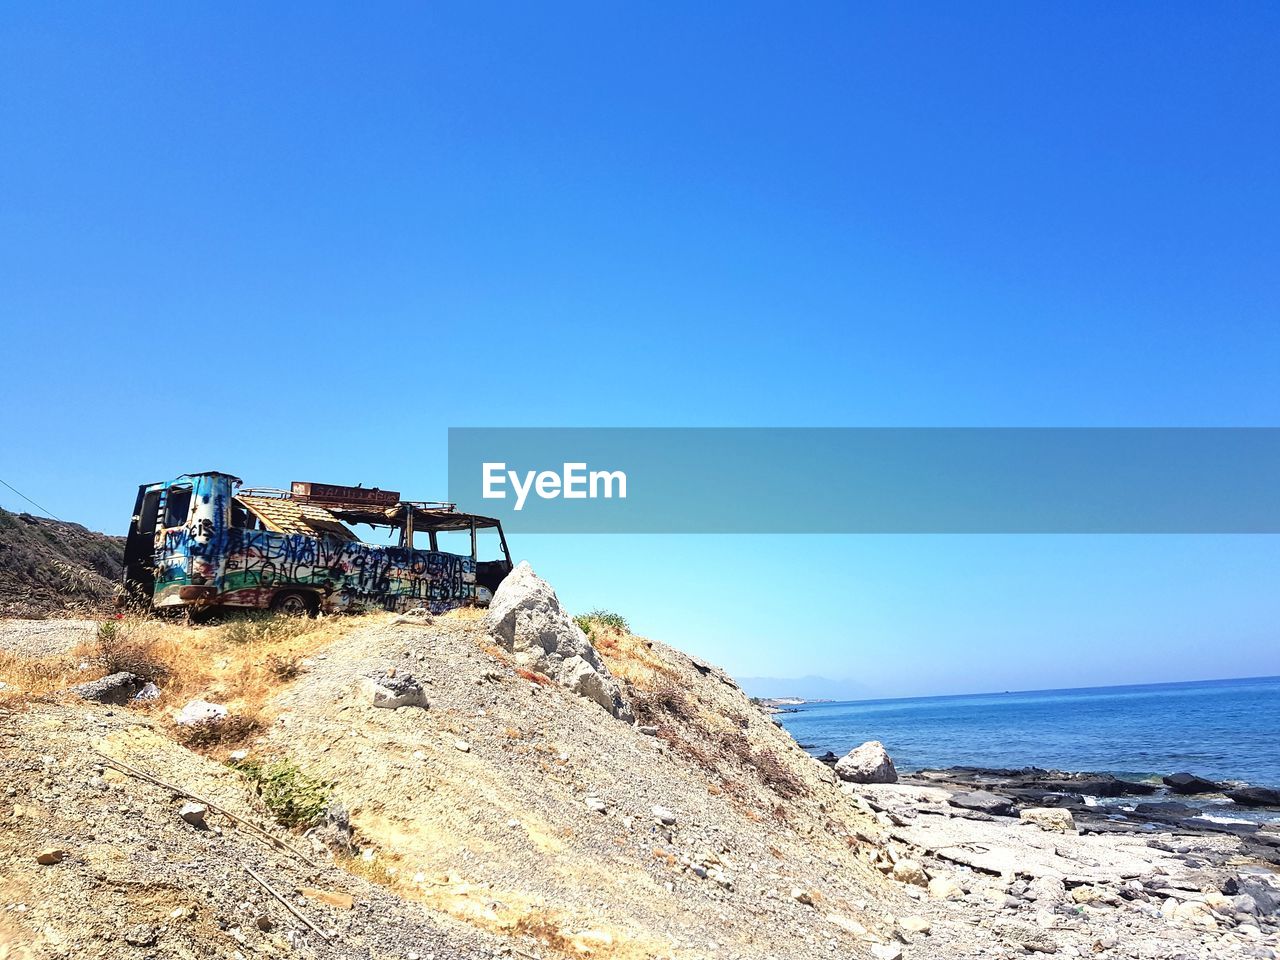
202, 541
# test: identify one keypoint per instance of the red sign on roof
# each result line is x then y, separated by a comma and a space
346, 496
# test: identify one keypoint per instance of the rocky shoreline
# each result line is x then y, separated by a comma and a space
1055, 848
1182, 803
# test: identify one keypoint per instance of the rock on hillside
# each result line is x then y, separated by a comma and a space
527, 620
49, 567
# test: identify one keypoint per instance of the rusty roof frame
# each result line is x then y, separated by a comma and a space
425, 515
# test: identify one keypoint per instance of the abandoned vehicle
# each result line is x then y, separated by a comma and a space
201, 541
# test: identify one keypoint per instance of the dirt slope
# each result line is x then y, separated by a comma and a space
48, 567
139, 881
480, 803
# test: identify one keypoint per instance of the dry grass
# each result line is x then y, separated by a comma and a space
376, 869
545, 928
465, 613
629, 658
231, 731
661, 702
29, 677
241, 662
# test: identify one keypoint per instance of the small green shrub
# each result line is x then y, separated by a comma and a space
604, 618
294, 798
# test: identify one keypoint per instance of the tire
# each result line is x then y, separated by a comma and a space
294, 603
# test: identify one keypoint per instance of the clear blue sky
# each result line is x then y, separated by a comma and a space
299, 242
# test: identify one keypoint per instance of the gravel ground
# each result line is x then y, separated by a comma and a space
510, 817
504, 830
139, 881
45, 638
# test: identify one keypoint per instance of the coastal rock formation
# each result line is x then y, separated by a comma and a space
1190, 783
526, 619
983, 801
869, 763
1255, 796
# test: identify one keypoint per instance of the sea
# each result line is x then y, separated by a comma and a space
1221, 729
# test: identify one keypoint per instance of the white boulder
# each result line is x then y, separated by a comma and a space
525, 618
200, 711
868, 763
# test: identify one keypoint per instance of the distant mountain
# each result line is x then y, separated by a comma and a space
806, 688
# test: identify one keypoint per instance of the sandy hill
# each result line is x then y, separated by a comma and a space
509, 814
509, 808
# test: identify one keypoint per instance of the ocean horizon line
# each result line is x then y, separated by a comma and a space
825, 701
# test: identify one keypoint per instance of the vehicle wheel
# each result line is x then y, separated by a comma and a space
294, 603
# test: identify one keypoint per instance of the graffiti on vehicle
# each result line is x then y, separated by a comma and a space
247, 567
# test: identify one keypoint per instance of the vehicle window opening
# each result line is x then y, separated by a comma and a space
177, 506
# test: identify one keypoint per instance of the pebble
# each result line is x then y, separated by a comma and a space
847, 924
142, 935
462, 745
194, 814
596, 804
910, 871
663, 815
945, 888
915, 924
50, 856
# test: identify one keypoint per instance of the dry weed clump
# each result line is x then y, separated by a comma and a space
230, 731
777, 776
375, 869
465, 613
133, 645
663, 701
542, 926
629, 658
25, 678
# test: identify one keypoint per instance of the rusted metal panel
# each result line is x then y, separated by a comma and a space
332, 493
